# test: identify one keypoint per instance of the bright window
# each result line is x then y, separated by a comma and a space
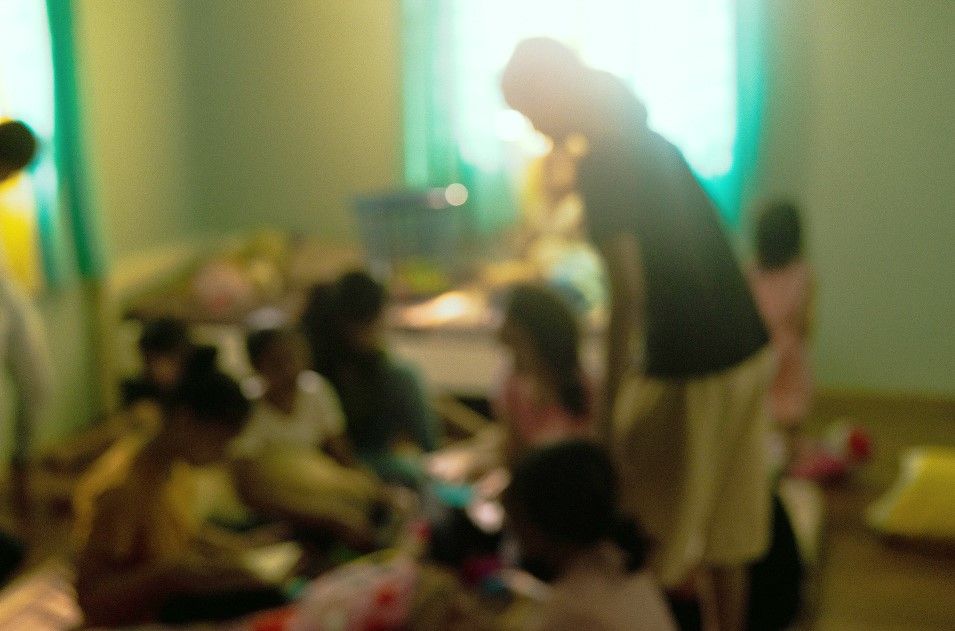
679, 56
26, 93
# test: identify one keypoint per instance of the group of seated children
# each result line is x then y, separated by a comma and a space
295, 456
317, 451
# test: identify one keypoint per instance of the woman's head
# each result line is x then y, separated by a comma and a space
543, 334
206, 413
562, 500
778, 235
543, 80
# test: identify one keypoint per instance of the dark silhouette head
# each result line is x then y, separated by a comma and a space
361, 304
562, 500
166, 336
166, 350
361, 298
538, 322
206, 412
279, 355
343, 323
778, 235
547, 82
211, 396
17, 147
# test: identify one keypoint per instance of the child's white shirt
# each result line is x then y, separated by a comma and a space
316, 417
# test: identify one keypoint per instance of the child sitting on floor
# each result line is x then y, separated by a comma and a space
166, 349
562, 506
167, 352
384, 402
292, 459
545, 396
142, 554
297, 407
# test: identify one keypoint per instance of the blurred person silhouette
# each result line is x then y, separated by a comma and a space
782, 281
687, 366
562, 507
293, 460
386, 408
23, 350
142, 553
166, 349
167, 352
783, 285
545, 396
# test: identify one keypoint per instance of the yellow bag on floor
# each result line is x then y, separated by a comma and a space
921, 504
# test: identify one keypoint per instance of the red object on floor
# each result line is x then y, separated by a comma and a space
844, 447
275, 620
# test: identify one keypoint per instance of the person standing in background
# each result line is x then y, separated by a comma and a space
23, 350
783, 283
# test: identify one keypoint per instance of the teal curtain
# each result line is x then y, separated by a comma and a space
68, 144
450, 106
432, 152
730, 191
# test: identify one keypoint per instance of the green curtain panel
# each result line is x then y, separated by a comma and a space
433, 102
68, 144
730, 190
455, 129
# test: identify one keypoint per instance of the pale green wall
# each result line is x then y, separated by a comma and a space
293, 109
65, 315
861, 132
131, 65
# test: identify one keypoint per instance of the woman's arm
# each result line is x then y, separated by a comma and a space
625, 272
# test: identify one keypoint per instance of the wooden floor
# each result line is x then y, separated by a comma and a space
866, 582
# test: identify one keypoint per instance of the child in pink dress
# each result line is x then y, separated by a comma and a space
545, 398
782, 282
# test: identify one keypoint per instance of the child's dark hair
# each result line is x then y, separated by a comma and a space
211, 396
259, 342
321, 325
778, 235
569, 491
354, 298
360, 298
165, 336
17, 144
555, 334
